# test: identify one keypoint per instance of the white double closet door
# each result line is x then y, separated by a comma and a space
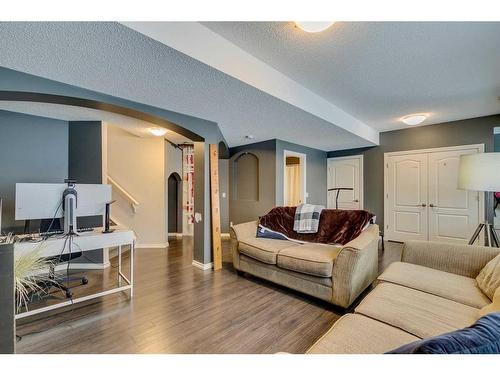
422, 201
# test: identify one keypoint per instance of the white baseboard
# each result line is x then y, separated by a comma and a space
225, 235
177, 235
202, 266
82, 266
151, 245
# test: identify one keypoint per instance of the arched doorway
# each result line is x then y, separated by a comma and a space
174, 192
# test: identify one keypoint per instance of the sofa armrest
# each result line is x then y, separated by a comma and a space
244, 230
465, 260
356, 267
238, 232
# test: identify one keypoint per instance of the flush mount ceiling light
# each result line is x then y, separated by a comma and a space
158, 132
414, 119
313, 27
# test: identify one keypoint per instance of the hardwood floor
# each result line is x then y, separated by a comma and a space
180, 309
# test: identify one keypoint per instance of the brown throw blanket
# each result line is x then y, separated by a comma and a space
335, 226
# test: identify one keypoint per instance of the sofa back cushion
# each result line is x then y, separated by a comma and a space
483, 337
488, 279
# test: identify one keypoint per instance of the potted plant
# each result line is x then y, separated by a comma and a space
30, 275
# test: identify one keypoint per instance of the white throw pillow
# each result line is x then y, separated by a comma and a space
488, 279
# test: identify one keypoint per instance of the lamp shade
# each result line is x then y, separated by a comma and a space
479, 172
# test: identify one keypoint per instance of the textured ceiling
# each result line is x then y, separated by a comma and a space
115, 60
72, 113
380, 71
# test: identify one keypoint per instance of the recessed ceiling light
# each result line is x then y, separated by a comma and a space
158, 132
414, 119
313, 27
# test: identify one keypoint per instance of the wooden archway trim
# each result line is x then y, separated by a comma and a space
36, 97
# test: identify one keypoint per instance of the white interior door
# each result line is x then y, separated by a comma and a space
346, 173
453, 213
406, 198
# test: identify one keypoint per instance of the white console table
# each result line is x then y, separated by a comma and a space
84, 242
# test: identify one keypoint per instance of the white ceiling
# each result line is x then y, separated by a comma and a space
362, 76
71, 113
202, 44
115, 60
381, 71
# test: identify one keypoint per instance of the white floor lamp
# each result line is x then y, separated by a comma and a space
481, 172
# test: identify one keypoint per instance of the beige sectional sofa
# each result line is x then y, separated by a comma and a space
432, 290
337, 274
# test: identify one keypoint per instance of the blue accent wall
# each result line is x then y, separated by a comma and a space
32, 149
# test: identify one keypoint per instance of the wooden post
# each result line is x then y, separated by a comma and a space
214, 190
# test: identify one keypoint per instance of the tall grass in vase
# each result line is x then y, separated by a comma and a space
31, 275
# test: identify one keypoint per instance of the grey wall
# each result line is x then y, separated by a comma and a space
85, 152
7, 300
472, 131
271, 178
241, 211
202, 229
32, 149
85, 165
315, 172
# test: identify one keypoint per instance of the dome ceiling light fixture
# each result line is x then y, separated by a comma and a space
313, 27
158, 132
414, 119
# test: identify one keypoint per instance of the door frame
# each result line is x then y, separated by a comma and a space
361, 176
303, 173
387, 155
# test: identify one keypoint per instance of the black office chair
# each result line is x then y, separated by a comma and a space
55, 280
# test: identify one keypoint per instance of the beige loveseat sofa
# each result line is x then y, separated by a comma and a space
337, 274
432, 290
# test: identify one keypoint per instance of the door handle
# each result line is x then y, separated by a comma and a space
356, 200
431, 205
421, 205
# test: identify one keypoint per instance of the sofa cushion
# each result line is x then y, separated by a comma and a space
483, 337
326, 281
421, 314
443, 284
264, 249
489, 277
311, 258
358, 334
494, 306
